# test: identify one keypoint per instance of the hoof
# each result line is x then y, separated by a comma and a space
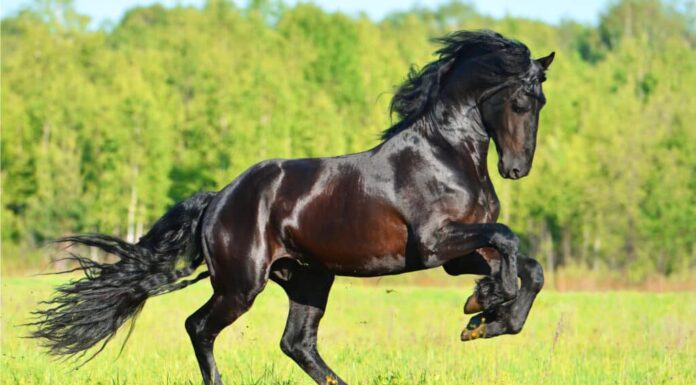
469, 335
475, 329
472, 305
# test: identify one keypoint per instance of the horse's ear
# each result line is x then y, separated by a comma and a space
546, 61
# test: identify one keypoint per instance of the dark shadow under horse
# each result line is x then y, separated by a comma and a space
422, 198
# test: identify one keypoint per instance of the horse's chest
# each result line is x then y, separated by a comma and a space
481, 206
491, 205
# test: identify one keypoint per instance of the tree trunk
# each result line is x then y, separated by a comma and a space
565, 245
139, 226
547, 250
132, 206
534, 235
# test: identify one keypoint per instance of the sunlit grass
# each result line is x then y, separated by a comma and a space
371, 335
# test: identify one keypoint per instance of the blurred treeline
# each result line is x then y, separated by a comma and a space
104, 128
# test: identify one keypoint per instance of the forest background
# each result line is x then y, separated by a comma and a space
104, 128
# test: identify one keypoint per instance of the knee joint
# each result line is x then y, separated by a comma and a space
287, 346
505, 239
196, 331
536, 274
191, 326
294, 347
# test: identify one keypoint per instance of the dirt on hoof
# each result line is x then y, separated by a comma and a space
478, 332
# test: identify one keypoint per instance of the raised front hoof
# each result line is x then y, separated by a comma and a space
476, 328
472, 306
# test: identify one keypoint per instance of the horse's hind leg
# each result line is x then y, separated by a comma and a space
223, 308
308, 291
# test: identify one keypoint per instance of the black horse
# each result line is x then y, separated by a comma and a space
422, 198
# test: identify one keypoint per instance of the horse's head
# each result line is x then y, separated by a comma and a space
478, 71
510, 114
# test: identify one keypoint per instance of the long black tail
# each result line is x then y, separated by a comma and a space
91, 309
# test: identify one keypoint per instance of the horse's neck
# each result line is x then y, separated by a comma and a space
461, 129
458, 132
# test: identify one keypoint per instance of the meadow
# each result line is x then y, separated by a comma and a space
380, 334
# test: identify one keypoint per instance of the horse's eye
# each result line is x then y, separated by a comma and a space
521, 106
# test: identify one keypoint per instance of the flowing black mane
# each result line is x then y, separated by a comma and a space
497, 57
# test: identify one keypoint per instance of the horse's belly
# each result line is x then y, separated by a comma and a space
364, 237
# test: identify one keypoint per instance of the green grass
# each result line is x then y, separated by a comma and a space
371, 336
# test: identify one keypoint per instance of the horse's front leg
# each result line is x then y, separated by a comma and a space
509, 318
456, 239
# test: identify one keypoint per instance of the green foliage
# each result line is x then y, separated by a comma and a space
103, 129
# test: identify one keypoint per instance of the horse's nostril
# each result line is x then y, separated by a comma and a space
515, 173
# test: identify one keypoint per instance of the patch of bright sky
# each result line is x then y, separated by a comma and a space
550, 11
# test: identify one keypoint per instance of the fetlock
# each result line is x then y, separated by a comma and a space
489, 293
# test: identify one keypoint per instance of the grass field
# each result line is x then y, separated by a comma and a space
372, 335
